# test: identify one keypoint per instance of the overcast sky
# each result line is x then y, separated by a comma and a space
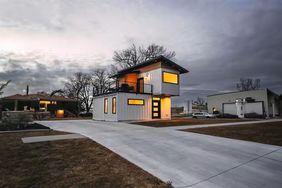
42, 42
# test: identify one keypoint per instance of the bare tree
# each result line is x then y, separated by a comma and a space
200, 101
87, 93
84, 86
100, 81
57, 92
79, 86
153, 51
3, 85
247, 84
134, 55
113, 69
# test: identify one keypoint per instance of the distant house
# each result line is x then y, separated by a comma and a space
142, 92
40, 102
177, 110
254, 103
188, 107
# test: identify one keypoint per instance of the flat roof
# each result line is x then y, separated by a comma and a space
266, 89
152, 61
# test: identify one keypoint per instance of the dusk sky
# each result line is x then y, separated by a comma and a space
42, 42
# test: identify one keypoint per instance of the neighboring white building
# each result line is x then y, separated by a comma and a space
142, 92
262, 102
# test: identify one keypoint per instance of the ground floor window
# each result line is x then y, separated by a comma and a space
114, 105
106, 105
135, 101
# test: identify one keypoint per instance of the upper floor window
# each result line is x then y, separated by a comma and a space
171, 78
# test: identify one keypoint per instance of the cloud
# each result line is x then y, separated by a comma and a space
249, 46
39, 73
218, 41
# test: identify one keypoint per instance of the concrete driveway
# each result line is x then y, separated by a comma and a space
185, 159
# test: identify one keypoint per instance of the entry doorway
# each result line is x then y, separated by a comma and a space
156, 108
140, 85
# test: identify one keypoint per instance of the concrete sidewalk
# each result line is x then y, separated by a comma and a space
186, 159
35, 139
221, 124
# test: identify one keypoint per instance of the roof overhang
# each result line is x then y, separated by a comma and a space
149, 62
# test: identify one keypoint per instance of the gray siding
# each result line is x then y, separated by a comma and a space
170, 89
125, 112
134, 112
154, 77
98, 108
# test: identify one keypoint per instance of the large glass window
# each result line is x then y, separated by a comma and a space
114, 105
106, 105
169, 77
135, 102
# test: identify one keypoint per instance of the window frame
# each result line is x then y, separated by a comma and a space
106, 106
114, 105
170, 73
135, 104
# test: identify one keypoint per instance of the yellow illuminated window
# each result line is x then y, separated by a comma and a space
106, 105
135, 102
170, 78
114, 105
156, 109
156, 104
44, 102
155, 114
156, 98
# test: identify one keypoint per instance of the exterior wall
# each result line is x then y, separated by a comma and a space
253, 107
151, 67
273, 105
165, 108
154, 77
216, 101
125, 112
98, 108
133, 112
167, 88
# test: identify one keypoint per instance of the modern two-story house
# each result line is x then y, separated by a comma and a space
142, 92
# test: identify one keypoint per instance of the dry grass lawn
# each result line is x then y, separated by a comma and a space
186, 121
267, 133
66, 163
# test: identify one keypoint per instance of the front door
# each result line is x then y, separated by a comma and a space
140, 85
156, 108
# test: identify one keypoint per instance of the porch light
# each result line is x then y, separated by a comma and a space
60, 113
